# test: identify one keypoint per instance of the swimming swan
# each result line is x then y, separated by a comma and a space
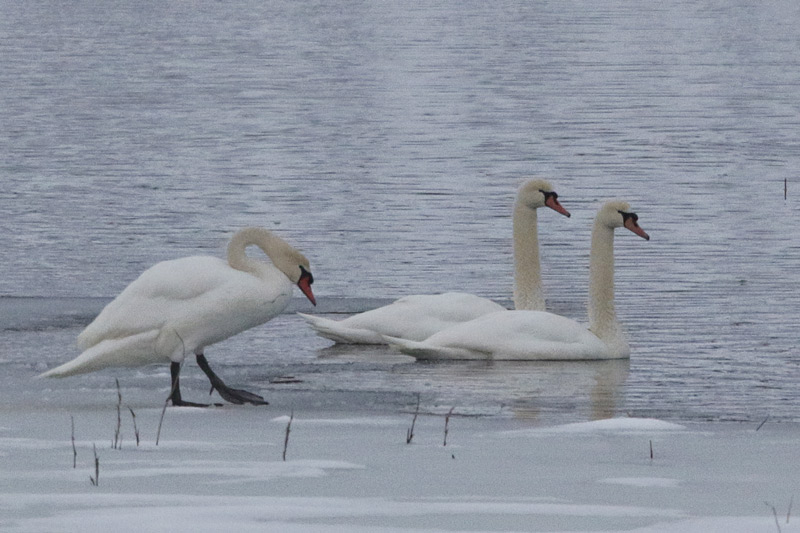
417, 317
181, 306
537, 335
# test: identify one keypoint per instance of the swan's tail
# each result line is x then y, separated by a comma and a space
337, 332
426, 351
135, 350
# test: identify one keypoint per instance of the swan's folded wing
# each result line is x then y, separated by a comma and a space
424, 350
153, 296
341, 333
414, 317
511, 335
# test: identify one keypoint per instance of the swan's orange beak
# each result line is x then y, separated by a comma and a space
631, 224
306, 279
552, 203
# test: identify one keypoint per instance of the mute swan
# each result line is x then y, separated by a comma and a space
181, 306
537, 335
417, 317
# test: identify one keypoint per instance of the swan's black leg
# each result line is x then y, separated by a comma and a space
237, 396
175, 394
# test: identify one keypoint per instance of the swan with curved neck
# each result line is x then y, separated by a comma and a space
417, 317
183, 305
538, 335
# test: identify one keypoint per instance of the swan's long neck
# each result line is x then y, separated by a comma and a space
237, 256
602, 316
527, 271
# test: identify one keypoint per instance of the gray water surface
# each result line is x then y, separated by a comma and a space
387, 141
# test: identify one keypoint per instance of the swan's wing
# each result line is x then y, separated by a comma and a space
430, 352
414, 317
165, 290
338, 331
514, 335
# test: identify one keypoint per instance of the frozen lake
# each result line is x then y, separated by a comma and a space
387, 142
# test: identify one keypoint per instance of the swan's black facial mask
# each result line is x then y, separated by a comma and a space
631, 221
551, 201
305, 281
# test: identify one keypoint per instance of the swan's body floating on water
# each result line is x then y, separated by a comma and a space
181, 306
418, 317
537, 335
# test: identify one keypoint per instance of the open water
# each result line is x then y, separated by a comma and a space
386, 140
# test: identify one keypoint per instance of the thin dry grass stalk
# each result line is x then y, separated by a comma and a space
775, 514
74, 449
447, 424
161, 419
166, 402
96, 479
410, 432
117, 444
286, 438
135, 429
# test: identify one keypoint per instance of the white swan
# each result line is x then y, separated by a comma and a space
181, 306
418, 317
537, 335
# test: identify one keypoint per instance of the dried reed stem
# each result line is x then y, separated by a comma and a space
286, 438
74, 449
410, 432
117, 444
135, 429
775, 514
164, 409
447, 424
96, 479
161, 419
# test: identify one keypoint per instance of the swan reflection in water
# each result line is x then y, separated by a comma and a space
528, 389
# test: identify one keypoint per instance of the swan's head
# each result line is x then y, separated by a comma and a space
538, 193
305, 279
296, 267
287, 259
618, 214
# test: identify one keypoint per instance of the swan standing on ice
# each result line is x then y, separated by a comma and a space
181, 306
417, 317
537, 335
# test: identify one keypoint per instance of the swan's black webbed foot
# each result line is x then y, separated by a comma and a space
175, 395
237, 396
177, 402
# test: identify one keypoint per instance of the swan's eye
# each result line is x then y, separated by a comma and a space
626, 216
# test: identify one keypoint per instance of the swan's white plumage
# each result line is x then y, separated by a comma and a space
538, 335
178, 307
512, 335
417, 317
